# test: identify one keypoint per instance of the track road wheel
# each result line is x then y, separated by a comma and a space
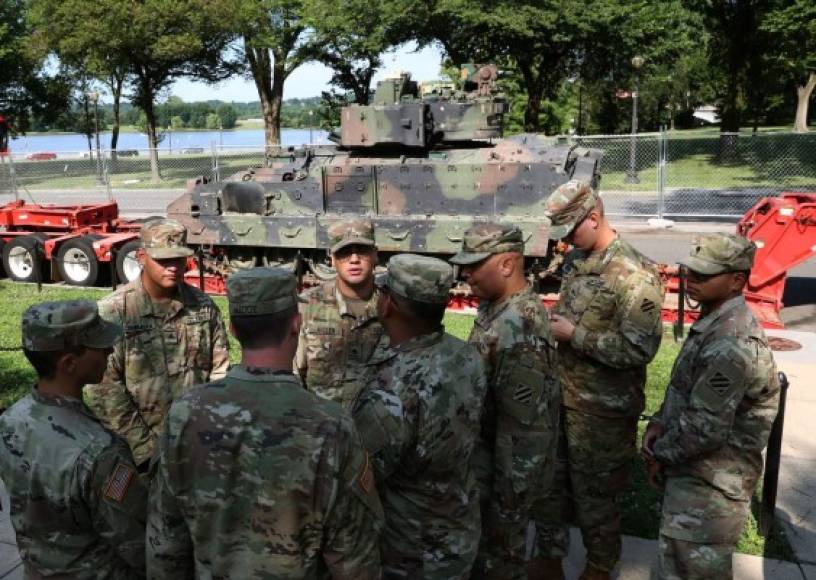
21, 257
127, 264
77, 262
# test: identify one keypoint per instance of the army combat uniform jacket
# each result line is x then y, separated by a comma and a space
419, 418
516, 452
165, 350
259, 478
77, 503
718, 411
335, 344
614, 298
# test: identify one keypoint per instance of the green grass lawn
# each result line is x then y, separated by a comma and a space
641, 503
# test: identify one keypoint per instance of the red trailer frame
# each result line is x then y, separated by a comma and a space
783, 228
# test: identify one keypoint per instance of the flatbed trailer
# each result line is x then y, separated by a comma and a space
87, 245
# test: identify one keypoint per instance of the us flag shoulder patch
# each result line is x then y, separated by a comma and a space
719, 383
119, 482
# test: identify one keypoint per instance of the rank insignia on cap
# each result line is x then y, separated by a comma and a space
119, 482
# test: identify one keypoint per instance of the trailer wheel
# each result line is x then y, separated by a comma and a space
77, 262
21, 257
127, 264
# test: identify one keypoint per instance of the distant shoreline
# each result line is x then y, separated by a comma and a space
132, 129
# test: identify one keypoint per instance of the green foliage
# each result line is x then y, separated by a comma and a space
26, 86
227, 116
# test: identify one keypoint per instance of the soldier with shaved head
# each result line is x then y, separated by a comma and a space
340, 327
419, 418
515, 456
608, 327
705, 443
257, 477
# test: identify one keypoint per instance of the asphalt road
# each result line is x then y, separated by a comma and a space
662, 245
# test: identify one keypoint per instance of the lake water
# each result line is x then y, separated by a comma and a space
250, 138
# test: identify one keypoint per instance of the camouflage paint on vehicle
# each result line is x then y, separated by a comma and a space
423, 169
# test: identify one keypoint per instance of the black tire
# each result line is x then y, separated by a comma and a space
77, 262
22, 259
2, 268
126, 253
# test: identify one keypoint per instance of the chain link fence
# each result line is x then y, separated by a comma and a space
688, 175
674, 175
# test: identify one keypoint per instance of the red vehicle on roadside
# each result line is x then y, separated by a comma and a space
41, 156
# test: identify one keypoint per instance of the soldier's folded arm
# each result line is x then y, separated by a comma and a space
169, 545
118, 498
299, 364
635, 340
352, 531
378, 418
220, 346
707, 420
112, 403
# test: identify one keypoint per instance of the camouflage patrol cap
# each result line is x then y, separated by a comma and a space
483, 240
350, 232
718, 253
568, 205
164, 238
55, 326
259, 291
419, 278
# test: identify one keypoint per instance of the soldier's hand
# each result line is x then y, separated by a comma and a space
655, 475
653, 432
561, 328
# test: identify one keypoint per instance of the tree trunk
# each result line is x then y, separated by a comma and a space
116, 83
261, 67
152, 138
800, 125
88, 133
535, 92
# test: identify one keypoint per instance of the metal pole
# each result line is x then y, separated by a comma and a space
631, 175
13, 177
98, 148
662, 149
681, 304
771, 480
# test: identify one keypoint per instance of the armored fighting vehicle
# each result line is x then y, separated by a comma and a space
424, 163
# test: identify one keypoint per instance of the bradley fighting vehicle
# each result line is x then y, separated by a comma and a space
424, 163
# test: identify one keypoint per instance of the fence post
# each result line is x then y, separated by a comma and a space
662, 154
106, 171
215, 171
13, 177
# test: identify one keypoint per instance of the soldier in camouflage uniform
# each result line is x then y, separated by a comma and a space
77, 502
709, 434
607, 322
419, 418
340, 327
257, 477
516, 453
174, 338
